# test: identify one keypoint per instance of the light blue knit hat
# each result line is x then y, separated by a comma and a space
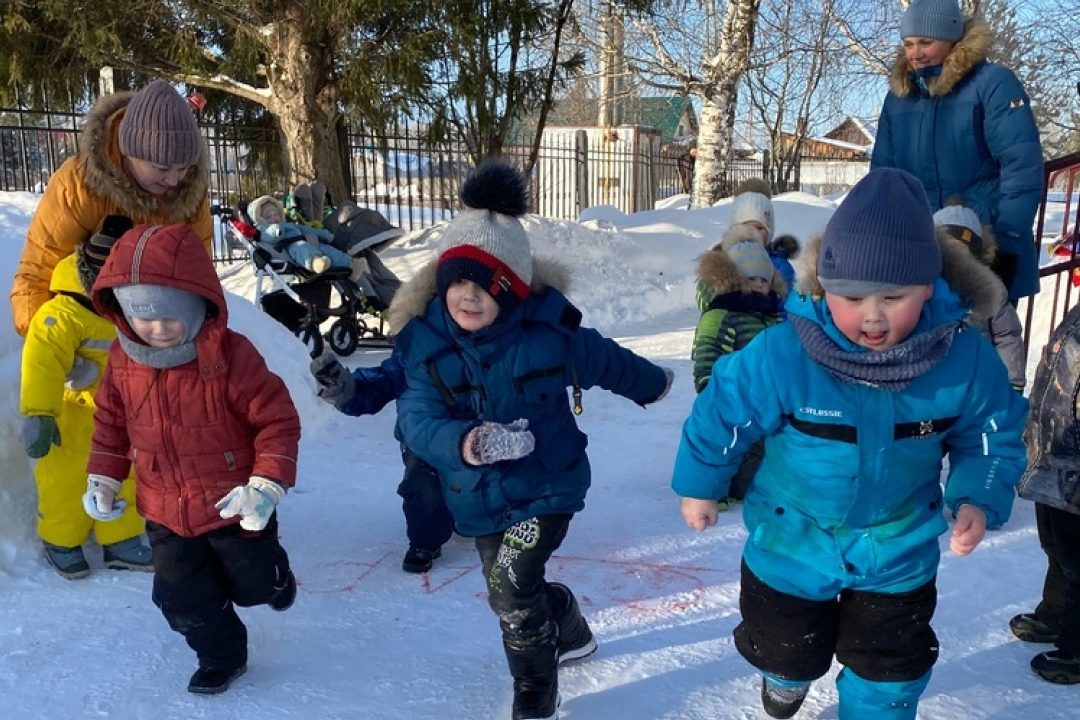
936, 19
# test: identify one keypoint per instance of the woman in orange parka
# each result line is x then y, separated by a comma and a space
140, 155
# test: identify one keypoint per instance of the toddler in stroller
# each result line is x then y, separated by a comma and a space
355, 294
311, 247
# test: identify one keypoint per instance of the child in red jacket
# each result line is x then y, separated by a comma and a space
213, 435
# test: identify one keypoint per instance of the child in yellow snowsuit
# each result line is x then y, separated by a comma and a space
67, 344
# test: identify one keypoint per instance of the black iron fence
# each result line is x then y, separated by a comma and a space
398, 171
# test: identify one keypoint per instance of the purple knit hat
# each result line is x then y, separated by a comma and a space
159, 127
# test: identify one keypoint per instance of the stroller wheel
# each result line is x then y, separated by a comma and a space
343, 337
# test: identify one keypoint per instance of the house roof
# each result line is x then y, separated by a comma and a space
662, 113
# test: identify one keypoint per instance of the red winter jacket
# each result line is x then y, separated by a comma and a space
196, 430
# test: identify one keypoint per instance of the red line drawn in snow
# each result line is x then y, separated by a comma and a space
350, 585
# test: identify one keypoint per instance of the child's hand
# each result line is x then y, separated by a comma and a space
699, 514
40, 433
254, 502
100, 501
83, 373
491, 442
336, 383
669, 375
969, 529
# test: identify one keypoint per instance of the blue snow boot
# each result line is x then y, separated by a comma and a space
68, 561
128, 554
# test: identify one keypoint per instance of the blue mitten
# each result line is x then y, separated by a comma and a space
83, 373
40, 433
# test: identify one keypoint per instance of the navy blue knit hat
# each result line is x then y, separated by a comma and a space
936, 19
880, 238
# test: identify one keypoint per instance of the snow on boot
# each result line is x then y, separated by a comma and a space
1029, 628
536, 678
782, 701
128, 554
69, 562
211, 681
575, 638
1057, 666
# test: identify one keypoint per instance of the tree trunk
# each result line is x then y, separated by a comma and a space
305, 104
711, 179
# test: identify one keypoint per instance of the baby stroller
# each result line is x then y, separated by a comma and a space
302, 300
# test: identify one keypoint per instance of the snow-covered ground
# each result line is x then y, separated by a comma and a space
367, 640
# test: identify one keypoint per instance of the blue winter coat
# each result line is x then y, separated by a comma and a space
970, 132
519, 367
375, 387
849, 492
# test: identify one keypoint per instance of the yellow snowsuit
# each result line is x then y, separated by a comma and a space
61, 329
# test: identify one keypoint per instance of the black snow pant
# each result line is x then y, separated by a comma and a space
198, 580
428, 522
882, 637
1059, 535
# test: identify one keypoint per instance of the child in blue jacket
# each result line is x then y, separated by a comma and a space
859, 395
489, 347
366, 391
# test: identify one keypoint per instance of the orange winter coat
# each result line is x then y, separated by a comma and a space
196, 430
87, 188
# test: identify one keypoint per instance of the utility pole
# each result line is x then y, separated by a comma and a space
612, 62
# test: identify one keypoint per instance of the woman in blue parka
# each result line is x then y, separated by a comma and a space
964, 126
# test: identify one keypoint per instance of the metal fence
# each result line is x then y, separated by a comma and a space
398, 171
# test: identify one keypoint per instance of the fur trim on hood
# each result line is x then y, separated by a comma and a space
976, 284
717, 271
412, 298
969, 51
100, 154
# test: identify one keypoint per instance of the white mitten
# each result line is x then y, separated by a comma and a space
254, 502
100, 501
491, 442
670, 375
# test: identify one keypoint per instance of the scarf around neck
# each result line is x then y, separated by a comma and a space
892, 369
160, 358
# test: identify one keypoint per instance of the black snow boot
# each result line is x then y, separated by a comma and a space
1057, 666
782, 702
536, 678
575, 638
1029, 628
211, 681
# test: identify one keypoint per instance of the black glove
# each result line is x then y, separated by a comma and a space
336, 383
116, 225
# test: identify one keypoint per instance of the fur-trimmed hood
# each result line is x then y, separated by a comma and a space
99, 153
976, 284
970, 50
412, 298
718, 273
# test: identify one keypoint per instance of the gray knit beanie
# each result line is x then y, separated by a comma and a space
159, 127
751, 260
880, 238
485, 242
936, 19
159, 302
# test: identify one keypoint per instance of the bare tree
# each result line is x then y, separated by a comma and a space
793, 54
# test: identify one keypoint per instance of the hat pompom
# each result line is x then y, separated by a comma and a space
497, 186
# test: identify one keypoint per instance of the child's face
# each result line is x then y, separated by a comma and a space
470, 306
881, 320
760, 285
923, 52
762, 230
159, 333
269, 214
